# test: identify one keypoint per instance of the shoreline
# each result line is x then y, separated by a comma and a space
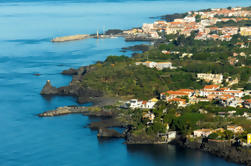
110, 118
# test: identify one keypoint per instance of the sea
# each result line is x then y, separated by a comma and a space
26, 28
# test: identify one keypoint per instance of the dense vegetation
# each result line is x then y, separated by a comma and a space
118, 75
187, 119
242, 23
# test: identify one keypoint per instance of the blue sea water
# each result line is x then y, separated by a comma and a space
26, 28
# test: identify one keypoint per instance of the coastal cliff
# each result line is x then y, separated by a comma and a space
83, 94
115, 118
223, 149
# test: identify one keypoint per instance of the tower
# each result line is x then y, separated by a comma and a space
97, 34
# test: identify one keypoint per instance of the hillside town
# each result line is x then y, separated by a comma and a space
211, 24
210, 93
204, 22
184, 97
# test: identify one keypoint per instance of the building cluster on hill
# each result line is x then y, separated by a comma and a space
207, 132
224, 96
203, 22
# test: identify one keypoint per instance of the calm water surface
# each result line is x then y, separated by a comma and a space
26, 28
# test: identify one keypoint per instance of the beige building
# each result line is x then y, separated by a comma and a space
245, 31
215, 78
235, 129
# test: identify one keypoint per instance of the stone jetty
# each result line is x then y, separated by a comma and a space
71, 38
63, 111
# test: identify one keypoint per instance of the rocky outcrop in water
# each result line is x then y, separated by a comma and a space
132, 138
111, 122
48, 89
113, 32
70, 71
63, 111
140, 47
109, 133
75, 89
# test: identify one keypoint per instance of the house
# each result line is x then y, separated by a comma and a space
202, 132
147, 28
171, 136
247, 115
235, 129
135, 103
157, 65
149, 116
176, 94
215, 78
149, 104
249, 139
163, 65
166, 52
211, 87
219, 130
189, 19
147, 64
245, 31
231, 102
179, 101
247, 103
220, 93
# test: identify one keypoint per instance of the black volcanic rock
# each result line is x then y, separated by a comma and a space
48, 89
108, 133
106, 123
141, 47
70, 71
113, 32
221, 148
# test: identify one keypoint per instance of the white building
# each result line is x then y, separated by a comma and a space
202, 132
147, 28
189, 19
157, 65
135, 103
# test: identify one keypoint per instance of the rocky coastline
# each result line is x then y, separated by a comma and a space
110, 118
83, 94
220, 148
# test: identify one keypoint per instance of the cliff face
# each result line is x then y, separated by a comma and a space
141, 138
75, 89
222, 149
109, 133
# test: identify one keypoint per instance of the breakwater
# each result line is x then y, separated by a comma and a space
71, 38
